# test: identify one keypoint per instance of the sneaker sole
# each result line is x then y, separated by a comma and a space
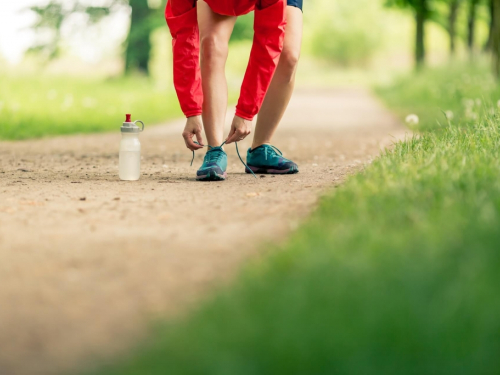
258, 170
212, 176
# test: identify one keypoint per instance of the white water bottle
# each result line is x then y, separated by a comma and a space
130, 150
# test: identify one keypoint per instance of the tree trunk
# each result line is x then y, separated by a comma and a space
452, 23
138, 49
421, 16
487, 46
495, 39
471, 25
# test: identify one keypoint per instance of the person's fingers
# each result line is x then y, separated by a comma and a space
185, 135
237, 136
242, 133
188, 139
230, 137
192, 146
199, 137
231, 132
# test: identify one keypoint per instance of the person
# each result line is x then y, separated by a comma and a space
201, 31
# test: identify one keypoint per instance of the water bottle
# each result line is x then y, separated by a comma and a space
130, 150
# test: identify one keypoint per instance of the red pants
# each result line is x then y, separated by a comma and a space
269, 27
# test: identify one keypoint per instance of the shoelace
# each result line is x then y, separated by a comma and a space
237, 151
271, 149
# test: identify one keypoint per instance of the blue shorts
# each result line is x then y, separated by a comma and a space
295, 3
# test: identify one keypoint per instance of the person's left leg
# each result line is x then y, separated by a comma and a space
281, 88
262, 157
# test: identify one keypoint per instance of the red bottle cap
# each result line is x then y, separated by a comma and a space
129, 118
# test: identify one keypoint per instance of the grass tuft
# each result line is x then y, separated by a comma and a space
36, 106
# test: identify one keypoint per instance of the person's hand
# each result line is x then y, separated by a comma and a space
193, 128
240, 128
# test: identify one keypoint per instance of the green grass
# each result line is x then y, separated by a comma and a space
34, 106
468, 93
397, 272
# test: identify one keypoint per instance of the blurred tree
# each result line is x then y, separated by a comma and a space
138, 44
422, 11
495, 38
471, 24
145, 18
50, 20
452, 23
491, 9
447, 14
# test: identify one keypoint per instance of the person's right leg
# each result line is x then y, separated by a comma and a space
280, 91
215, 31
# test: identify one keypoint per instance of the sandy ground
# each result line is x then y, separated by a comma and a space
87, 260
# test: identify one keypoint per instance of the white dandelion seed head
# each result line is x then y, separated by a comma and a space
412, 119
449, 115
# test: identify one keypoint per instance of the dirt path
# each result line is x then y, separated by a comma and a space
87, 260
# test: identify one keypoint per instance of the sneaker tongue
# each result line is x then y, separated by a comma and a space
259, 147
214, 153
215, 150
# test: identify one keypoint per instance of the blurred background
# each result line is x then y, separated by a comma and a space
72, 66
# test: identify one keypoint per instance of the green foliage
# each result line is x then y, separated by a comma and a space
96, 14
33, 106
144, 20
467, 93
396, 272
417, 5
51, 17
339, 33
438, 11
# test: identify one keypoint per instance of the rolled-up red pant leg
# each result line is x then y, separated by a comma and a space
182, 21
180, 7
269, 27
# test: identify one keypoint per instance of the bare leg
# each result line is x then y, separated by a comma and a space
281, 88
215, 31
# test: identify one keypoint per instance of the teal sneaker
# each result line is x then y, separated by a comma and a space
268, 159
214, 165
